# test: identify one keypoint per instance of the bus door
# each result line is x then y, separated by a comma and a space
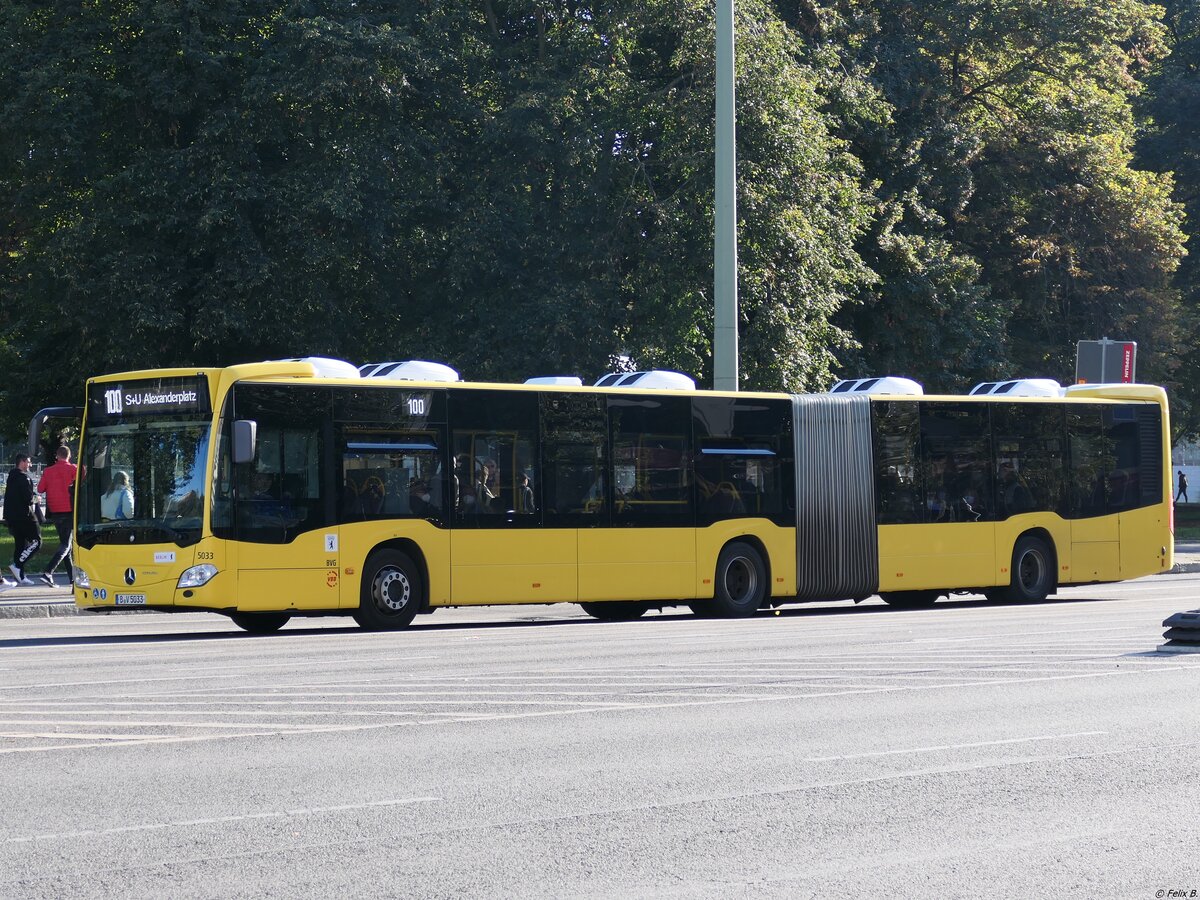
648, 552
498, 554
499, 551
282, 502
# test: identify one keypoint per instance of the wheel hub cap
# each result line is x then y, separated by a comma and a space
741, 579
392, 590
1031, 570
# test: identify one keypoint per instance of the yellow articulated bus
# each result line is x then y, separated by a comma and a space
309, 487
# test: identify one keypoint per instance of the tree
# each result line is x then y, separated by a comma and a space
201, 183
1170, 143
1013, 222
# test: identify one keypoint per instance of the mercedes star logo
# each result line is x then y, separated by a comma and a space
130, 576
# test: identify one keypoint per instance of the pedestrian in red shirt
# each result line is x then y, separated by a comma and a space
58, 484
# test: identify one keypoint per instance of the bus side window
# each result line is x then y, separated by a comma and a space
896, 436
493, 448
1135, 436
1090, 461
1029, 472
956, 461
575, 484
651, 440
743, 459
390, 475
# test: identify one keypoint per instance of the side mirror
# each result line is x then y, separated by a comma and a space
245, 440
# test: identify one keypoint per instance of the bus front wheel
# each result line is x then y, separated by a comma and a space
1032, 570
391, 591
259, 622
616, 611
741, 582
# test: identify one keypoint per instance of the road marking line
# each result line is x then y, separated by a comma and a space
62, 735
199, 673
219, 820
125, 723
934, 749
430, 717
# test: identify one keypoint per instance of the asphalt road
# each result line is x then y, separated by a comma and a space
963, 751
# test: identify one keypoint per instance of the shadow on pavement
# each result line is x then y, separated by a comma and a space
425, 624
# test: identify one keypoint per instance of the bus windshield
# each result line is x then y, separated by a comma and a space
142, 482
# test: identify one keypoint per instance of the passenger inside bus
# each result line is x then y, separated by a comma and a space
1014, 494
117, 503
936, 497
420, 499
525, 502
264, 486
485, 482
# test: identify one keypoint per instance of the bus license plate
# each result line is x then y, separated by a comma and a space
131, 599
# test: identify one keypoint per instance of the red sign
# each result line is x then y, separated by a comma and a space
1127, 351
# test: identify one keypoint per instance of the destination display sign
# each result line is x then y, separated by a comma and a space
148, 397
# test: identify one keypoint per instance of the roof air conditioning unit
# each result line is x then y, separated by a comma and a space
659, 379
559, 380
1020, 387
888, 384
410, 370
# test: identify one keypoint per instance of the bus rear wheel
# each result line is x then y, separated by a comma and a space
259, 622
391, 591
1032, 570
741, 582
616, 611
910, 599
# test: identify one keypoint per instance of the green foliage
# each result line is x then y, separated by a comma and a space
1013, 223
1170, 142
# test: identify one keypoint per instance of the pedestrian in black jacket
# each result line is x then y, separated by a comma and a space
21, 520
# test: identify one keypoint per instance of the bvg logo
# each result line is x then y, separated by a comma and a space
130, 576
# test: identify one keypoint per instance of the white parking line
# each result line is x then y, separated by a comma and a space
220, 820
936, 748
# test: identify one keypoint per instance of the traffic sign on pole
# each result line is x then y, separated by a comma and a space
1106, 362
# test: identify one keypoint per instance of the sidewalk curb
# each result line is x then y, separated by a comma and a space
48, 609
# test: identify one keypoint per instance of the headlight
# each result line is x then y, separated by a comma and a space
197, 576
80, 578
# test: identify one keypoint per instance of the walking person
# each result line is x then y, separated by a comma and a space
58, 484
1182, 492
19, 516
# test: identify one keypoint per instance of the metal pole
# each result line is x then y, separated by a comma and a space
725, 313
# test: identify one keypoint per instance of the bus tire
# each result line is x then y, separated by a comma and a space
391, 591
1032, 570
259, 622
740, 583
910, 599
616, 610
